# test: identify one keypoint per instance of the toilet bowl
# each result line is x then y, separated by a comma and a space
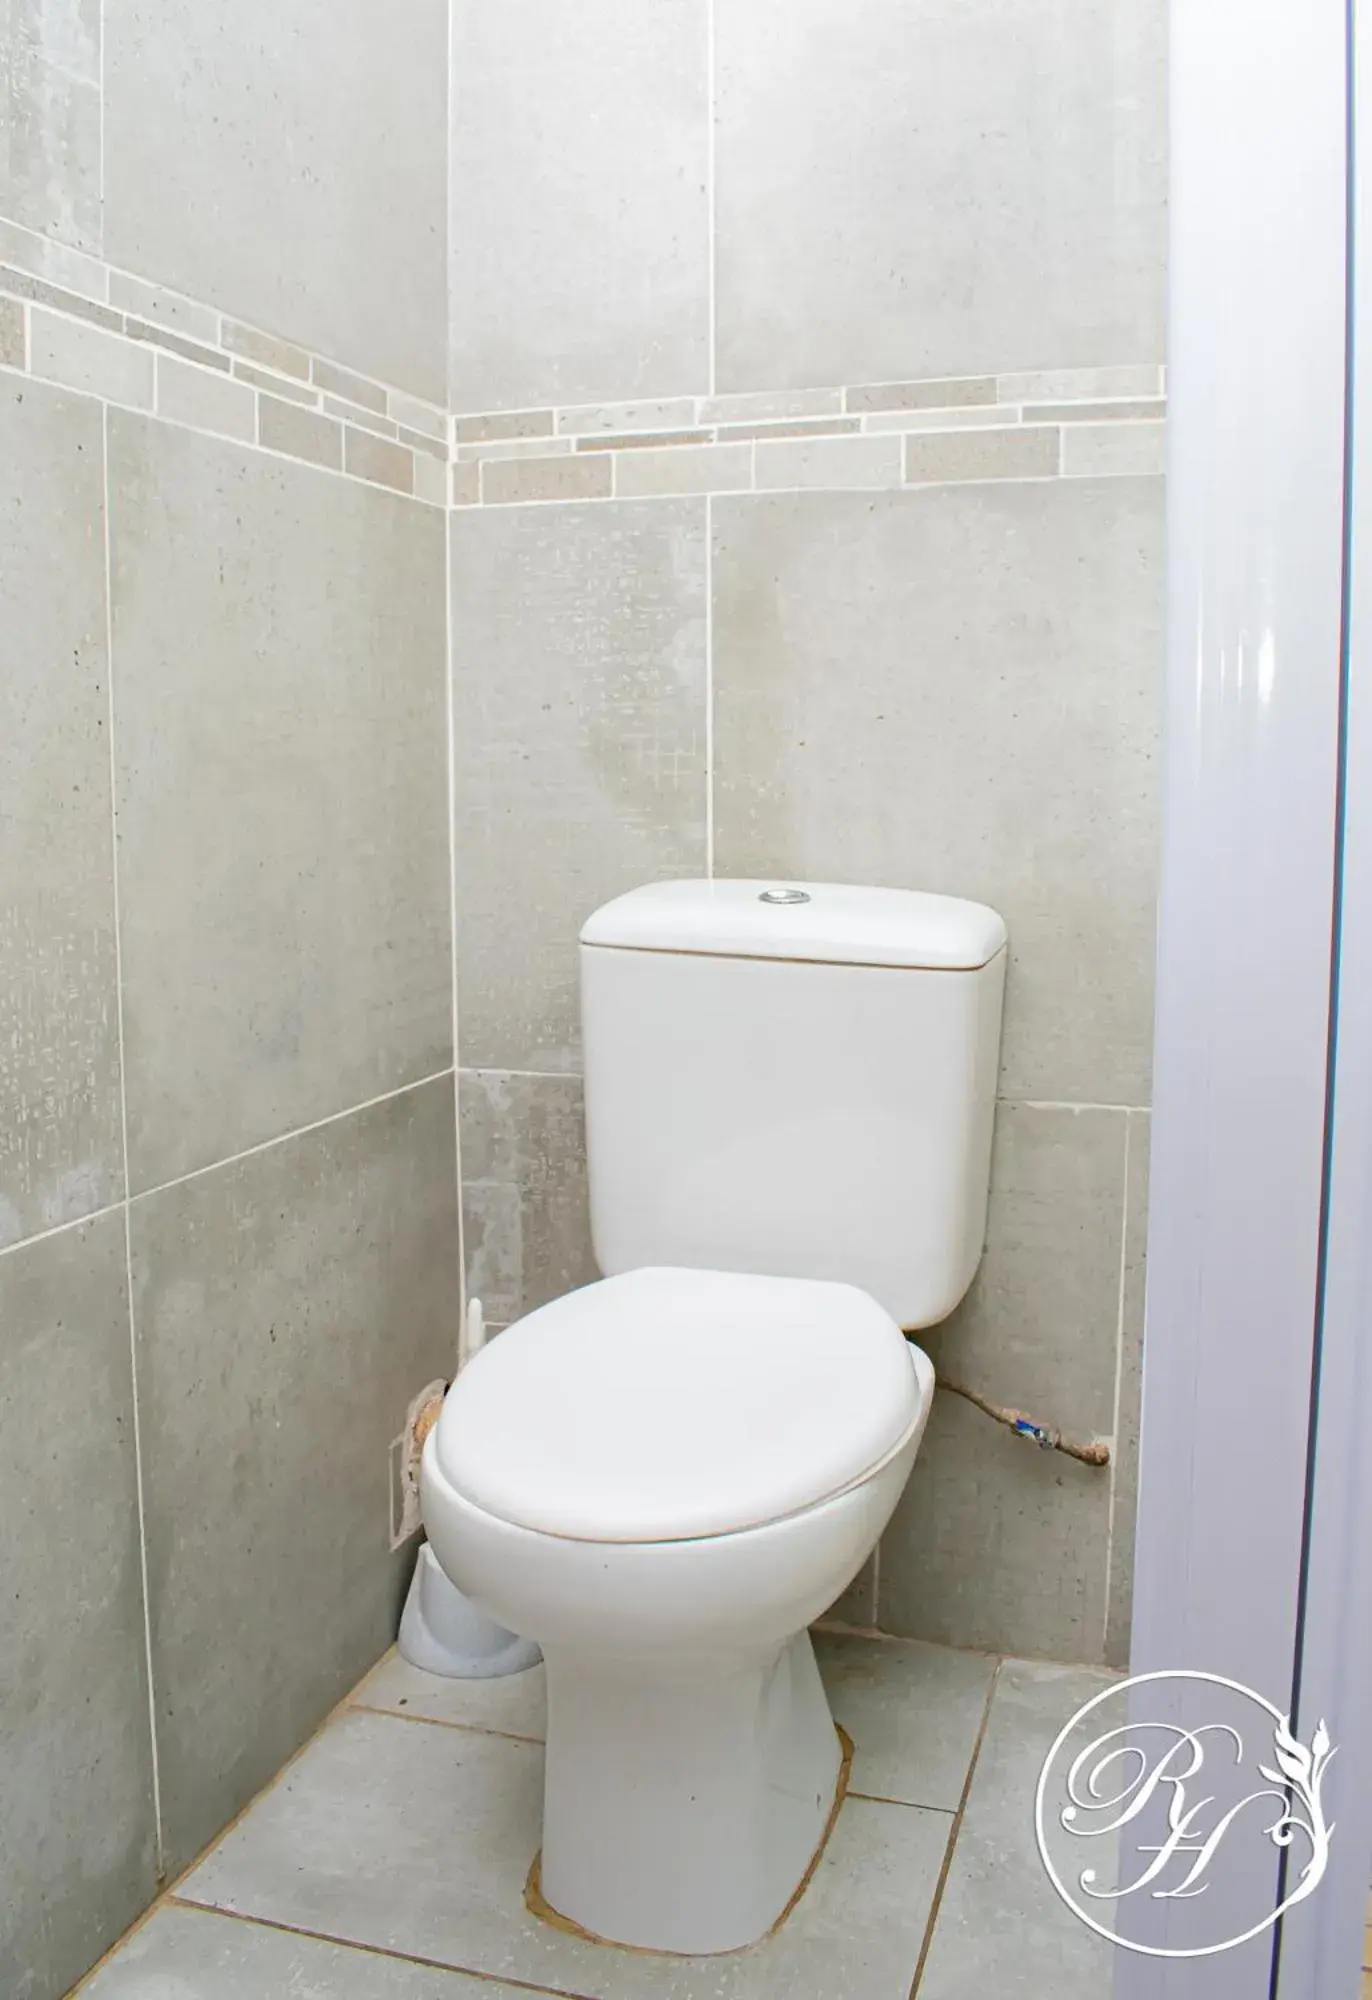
663, 1478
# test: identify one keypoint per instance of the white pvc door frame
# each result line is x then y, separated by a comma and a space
1253, 1556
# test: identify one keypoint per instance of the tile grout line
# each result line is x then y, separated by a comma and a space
709, 687
392, 1953
104, 45
150, 411
936, 1905
231, 1159
162, 337
906, 1805
1119, 1388
67, 299
167, 1895
138, 1466
356, 1707
60, 1228
1020, 1103
710, 196
449, 711
1084, 392
296, 1132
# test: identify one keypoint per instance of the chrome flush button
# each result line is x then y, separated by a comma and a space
784, 896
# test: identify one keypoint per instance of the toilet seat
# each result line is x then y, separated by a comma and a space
667, 1405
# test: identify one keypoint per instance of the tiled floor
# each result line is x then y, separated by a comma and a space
388, 1861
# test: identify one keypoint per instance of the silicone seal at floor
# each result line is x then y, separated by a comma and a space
538, 1905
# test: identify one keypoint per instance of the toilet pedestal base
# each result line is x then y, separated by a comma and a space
684, 1798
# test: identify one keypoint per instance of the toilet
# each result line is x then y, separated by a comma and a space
666, 1476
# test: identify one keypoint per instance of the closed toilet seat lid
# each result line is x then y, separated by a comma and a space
663, 1405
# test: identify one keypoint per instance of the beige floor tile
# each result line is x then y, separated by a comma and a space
913, 1712
418, 1839
510, 1705
1001, 1930
197, 1955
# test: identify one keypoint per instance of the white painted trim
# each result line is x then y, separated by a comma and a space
709, 687
1322, 1939
1255, 523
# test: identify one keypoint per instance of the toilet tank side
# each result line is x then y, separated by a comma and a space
793, 1118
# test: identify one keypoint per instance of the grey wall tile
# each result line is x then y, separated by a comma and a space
707, 468
858, 1603
89, 358
11, 333
984, 416
268, 348
982, 191
301, 434
526, 1227
50, 118
957, 689
164, 308
284, 892
354, 388
1027, 451
996, 1543
60, 1144
26, 284
1114, 449
1053, 385
288, 1307
953, 392
204, 400
546, 479
761, 403
808, 427
431, 479
579, 202
504, 424
276, 385
578, 669
311, 126
1119, 410
419, 416
378, 459
77, 1840
834, 462
1126, 1468
47, 258
1001, 1928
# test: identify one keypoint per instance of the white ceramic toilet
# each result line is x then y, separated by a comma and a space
664, 1477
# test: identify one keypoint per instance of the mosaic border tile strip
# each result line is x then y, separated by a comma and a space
69, 319
1050, 424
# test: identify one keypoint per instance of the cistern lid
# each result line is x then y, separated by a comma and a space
829, 922
662, 1405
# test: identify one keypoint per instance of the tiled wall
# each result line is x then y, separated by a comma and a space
228, 1202
807, 521
803, 514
